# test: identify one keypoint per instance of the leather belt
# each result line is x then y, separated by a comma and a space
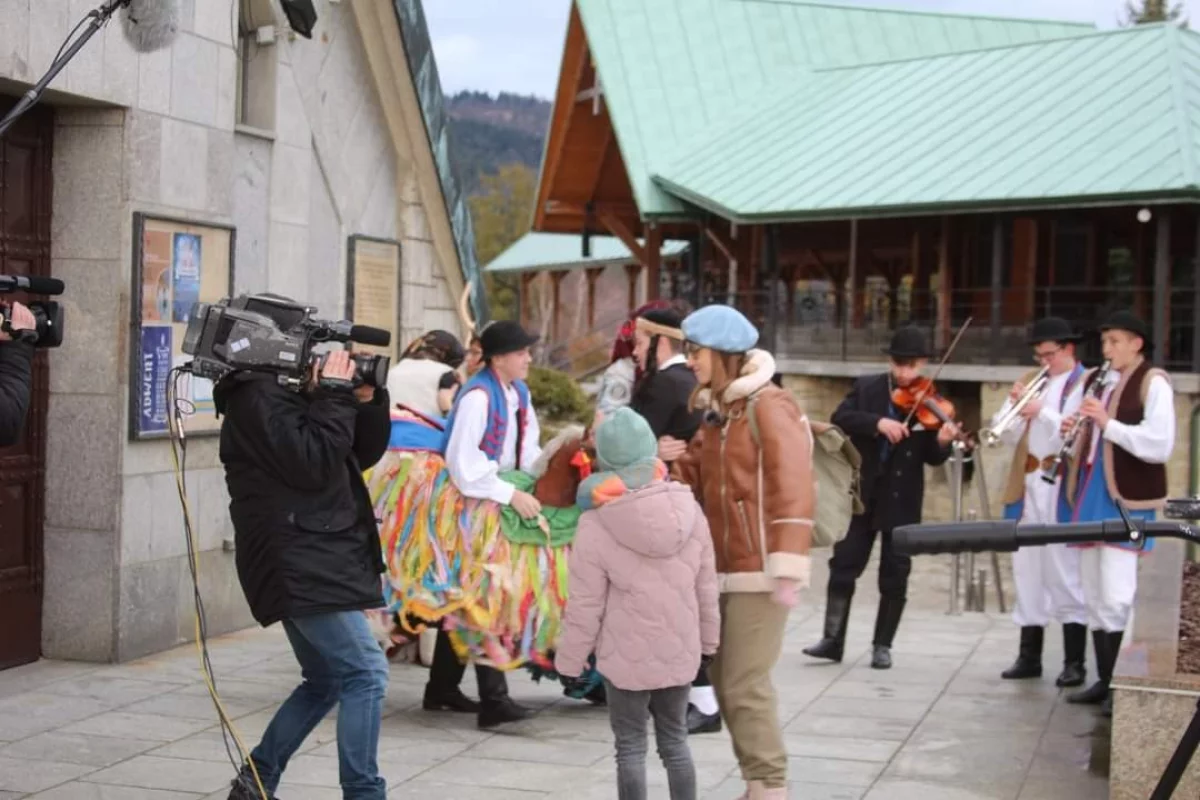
1032, 464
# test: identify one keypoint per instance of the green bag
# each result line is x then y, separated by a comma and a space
836, 465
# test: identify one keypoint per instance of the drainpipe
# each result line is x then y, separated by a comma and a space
1194, 467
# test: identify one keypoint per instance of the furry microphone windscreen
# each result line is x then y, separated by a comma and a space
301, 16
150, 25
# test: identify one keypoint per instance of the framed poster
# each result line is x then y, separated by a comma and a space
373, 289
176, 264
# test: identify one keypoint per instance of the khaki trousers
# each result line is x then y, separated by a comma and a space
751, 640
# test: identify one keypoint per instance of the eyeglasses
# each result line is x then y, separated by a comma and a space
1046, 355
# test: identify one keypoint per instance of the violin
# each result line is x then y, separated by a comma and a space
921, 402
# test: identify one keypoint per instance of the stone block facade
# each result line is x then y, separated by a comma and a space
158, 133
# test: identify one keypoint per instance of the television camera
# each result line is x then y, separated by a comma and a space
268, 333
47, 315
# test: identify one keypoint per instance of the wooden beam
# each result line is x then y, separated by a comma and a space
562, 207
725, 247
944, 286
575, 62
527, 279
556, 279
619, 230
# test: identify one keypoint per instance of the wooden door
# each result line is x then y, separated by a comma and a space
25, 186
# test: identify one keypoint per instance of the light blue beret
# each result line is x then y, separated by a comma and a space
720, 328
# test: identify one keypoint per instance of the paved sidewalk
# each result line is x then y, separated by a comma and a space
939, 726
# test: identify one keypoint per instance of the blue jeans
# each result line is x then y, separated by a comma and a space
342, 664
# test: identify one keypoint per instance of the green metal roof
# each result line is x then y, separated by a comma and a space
564, 251
670, 68
1095, 118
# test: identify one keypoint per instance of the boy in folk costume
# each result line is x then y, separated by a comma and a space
494, 428
1121, 456
1047, 578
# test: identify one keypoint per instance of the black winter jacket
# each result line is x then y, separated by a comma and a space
662, 398
16, 367
892, 490
306, 536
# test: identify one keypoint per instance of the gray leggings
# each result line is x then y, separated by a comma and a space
627, 711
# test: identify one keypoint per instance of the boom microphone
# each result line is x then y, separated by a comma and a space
365, 334
32, 284
150, 25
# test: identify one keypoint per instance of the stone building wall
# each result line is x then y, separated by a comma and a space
157, 133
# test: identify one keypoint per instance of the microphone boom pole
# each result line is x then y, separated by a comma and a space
99, 18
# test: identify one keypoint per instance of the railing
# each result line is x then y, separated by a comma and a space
814, 322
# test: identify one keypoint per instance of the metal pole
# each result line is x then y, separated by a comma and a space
955, 470
973, 600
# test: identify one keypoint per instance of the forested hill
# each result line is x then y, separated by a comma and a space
490, 132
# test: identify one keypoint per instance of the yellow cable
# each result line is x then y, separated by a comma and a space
222, 715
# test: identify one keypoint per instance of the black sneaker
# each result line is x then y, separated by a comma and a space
246, 788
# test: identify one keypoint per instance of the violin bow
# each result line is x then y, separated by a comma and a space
938, 371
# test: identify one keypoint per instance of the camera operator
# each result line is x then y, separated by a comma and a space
16, 365
308, 554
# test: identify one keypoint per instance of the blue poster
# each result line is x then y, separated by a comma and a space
185, 269
153, 372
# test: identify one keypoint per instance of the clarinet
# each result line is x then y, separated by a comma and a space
1096, 390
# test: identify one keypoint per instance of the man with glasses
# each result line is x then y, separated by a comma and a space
1047, 578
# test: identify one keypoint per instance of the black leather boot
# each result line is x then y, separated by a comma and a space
1074, 656
837, 613
442, 692
1029, 656
887, 621
245, 787
495, 706
1114, 647
1098, 691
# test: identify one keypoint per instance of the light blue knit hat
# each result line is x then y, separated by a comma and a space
623, 439
722, 328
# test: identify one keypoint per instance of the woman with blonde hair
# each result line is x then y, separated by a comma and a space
751, 469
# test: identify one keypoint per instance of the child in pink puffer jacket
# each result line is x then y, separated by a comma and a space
643, 598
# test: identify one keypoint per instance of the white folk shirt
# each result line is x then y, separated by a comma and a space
1041, 498
1152, 439
472, 471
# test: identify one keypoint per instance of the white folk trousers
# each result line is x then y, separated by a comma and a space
1049, 586
1109, 586
1048, 582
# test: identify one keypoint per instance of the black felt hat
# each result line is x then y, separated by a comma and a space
908, 342
1052, 329
503, 337
1127, 321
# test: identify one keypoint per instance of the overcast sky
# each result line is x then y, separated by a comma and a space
515, 45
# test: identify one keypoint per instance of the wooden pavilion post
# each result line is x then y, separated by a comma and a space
1196, 297
942, 338
1162, 283
556, 279
632, 273
527, 279
997, 285
654, 242
593, 275
850, 288
770, 253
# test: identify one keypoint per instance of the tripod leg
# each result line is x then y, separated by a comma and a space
1179, 761
999, 582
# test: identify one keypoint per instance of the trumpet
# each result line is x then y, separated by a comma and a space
991, 436
1050, 473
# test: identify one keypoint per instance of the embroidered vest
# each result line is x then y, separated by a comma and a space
494, 433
